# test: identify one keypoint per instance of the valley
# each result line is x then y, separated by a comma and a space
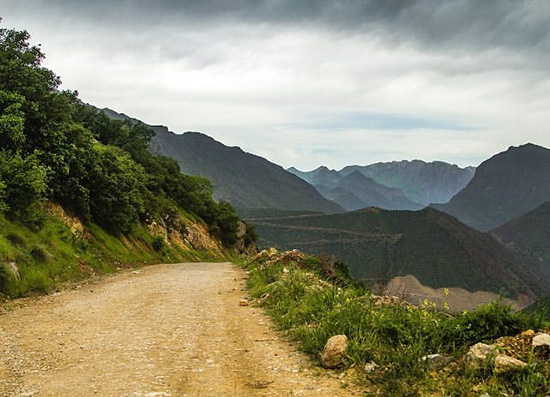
136, 261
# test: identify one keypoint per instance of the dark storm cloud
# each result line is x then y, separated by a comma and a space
453, 23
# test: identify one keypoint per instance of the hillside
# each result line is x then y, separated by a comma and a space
243, 179
378, 245
528, 236
421, 182
355, 191
504, 187
80, 193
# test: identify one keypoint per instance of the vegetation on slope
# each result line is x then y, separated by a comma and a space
379, 245
529, 237
312, 299
55, 149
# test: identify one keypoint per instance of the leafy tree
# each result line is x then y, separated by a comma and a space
116, 185
25, 185
226, 224
12, 120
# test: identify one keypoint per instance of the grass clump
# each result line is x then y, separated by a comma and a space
311, 300
39, 260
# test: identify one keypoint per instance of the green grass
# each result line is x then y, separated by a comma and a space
53, 255
310, 307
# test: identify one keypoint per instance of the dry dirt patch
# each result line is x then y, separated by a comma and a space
166, 330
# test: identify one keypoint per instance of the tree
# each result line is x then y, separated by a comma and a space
12, 121
25, 185
116, 185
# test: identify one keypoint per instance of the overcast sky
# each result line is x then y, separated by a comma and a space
309, 83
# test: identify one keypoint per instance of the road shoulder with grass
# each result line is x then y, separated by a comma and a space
164, 330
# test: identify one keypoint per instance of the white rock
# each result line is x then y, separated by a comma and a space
435, 360
541, 345
479, 353
371, 366
541, 340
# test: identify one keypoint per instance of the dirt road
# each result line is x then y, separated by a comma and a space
166, 330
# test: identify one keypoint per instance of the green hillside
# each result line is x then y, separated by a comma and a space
114, 200
529, 237
504, 187
376, 244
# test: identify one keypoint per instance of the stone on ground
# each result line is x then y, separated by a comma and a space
333, 352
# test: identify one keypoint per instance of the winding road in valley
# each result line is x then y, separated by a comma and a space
164, 330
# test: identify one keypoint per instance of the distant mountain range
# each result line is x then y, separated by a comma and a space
401, 185
504, 187
434, 247
355, 191
422, 182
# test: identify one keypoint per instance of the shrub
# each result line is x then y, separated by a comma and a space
40, 254
16, 240
159, 244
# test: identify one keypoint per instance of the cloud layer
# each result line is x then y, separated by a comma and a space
311, 82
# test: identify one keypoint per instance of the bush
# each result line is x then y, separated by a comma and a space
159, 244
16, 240
40, 254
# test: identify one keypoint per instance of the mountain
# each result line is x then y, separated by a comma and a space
529, 237
504, 187
432, 246
421, 182
243, 179
319, 176
355, 190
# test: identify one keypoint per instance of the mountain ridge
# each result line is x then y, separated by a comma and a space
422, 182
505, 186
434, 247
245, 180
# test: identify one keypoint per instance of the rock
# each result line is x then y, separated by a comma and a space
541, 345
506, 364
243, 302
287, 257
333, 352
478, 354
371, 366
266, 254
435, 360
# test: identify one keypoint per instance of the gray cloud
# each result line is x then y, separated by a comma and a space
462, 23
316, 82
